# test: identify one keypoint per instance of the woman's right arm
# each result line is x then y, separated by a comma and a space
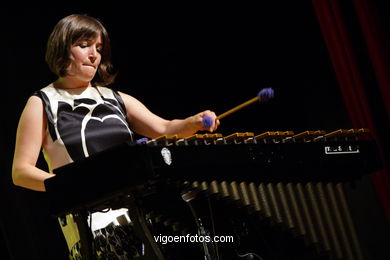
29, 137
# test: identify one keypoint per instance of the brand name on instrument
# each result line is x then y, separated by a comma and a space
340, 149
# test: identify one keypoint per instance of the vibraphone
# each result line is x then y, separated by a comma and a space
294, 181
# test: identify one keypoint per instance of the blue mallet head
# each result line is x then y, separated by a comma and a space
265, 94
207, 122
142, 140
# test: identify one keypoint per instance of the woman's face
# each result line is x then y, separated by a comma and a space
85, 58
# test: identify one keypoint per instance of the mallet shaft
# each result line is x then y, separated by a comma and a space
234, 109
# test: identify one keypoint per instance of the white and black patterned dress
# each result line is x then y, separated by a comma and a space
81, 122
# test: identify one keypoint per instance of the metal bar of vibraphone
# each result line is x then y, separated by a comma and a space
224, 189
274, 203
330, 227
318, 217
235, 195
339, 221
295, 209
254, 195
349, 223
244, 194
195, 184
309, 223
265, 204
214, 187
285, 206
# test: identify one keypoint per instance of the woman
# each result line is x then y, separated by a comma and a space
77, 115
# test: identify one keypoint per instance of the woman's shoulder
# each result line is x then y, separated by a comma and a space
108, 91
112, 93
46, 89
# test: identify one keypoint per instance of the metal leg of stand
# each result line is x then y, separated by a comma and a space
208, 252
208, 247
86, 238
152, 251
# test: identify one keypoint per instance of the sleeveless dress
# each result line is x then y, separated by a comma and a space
81, 122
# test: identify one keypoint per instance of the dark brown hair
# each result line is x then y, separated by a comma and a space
68, 31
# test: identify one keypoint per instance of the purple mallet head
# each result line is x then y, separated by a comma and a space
142, 140
207, 122
265, 94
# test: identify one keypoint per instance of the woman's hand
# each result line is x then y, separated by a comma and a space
199, 119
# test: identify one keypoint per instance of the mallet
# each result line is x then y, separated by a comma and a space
263, 96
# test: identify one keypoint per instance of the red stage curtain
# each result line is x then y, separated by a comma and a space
366, 96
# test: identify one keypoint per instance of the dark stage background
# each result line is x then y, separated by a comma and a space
177, 63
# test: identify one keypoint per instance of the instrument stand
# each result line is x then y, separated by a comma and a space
86, 237
152, 251
203, 232
209, 252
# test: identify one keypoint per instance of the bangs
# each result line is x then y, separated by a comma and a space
86, 32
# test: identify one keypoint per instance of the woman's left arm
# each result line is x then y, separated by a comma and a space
148, 124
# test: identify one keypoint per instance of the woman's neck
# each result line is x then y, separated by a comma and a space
69, 83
